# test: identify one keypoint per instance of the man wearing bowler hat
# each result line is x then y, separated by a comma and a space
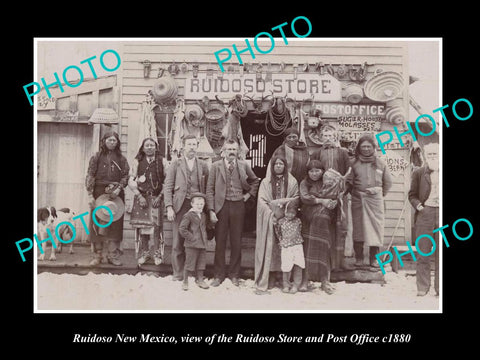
230, 184
185, 176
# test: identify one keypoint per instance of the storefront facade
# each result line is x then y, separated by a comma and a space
338, 78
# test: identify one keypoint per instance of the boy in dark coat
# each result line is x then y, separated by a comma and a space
193, 228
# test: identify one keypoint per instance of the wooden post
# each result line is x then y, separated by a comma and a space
95, 138
95, 96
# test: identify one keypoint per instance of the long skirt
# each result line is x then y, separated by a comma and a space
368, 217
339, 233
318, 232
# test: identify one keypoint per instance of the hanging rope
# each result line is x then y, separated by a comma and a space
278, 120
239, 107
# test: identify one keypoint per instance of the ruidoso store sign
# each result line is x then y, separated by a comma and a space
323, 88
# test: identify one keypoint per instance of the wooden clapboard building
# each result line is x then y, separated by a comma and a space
333, 77
70, 125
330, 76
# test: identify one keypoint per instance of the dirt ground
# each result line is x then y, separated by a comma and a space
141, 292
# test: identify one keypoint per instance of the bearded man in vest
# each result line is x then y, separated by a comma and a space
231, 183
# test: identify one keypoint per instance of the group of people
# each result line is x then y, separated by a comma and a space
302, 208
303, 200
197, 198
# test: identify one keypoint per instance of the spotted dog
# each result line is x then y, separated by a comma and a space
49, 218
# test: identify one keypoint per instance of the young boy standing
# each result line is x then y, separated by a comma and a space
193, 228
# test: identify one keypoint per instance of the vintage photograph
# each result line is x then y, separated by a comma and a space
291, 181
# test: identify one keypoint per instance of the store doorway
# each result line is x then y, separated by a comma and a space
261, 145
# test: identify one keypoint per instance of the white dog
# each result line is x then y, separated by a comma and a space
49, 218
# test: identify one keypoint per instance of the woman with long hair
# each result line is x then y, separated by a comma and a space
274, 192
318, 226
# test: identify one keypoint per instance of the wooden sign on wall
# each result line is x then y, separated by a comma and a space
303, 86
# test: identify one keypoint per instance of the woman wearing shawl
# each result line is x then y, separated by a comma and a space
319, 196
295, 152
370, 181
333, 156
274, 192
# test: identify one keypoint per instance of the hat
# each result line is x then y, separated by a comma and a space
116, 206
384, 86
395, 115
291, 130
215, 113
164, 89
353, 93
103, 116
198, 194
193, 112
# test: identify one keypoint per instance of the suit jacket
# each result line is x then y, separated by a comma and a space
194, 230
175, 189
420, 187
217, 186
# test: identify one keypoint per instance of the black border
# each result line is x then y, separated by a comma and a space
430, 332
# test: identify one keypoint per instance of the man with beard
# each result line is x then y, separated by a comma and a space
230, 184
185, 176
295, 152
332, 156
423, 196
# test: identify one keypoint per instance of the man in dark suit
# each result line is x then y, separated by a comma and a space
185, 176
424, 197
230, 184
